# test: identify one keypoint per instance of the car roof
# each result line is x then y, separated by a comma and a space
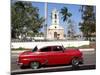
42, 46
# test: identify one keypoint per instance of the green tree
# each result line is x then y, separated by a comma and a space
25, 18
88, 24
65, 15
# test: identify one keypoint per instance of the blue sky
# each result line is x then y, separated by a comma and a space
74, 9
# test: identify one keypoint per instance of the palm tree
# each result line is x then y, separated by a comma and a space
65, 14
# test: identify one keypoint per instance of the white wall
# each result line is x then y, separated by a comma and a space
40, 44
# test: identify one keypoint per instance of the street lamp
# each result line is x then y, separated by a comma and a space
45, 25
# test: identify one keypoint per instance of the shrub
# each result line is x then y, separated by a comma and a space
20, 48
84, 46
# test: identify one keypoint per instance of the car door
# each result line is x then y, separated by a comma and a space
58, 55
46, 55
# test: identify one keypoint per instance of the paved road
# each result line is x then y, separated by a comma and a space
89, 59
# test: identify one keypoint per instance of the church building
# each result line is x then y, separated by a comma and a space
55, 31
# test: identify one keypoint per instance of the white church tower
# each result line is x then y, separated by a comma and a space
55, 17
55, 31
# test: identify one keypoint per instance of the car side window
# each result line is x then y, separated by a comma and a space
45, 49
57, 48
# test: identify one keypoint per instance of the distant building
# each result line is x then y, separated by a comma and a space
55, 31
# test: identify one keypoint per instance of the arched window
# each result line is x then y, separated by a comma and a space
55, 21
55, 16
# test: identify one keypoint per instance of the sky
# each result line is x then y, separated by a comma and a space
72, 8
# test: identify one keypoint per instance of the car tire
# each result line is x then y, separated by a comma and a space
34, 65
75, 62
22, 67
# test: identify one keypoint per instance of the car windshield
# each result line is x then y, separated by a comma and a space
34, 49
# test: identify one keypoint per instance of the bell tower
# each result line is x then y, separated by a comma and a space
55, 31
55, 17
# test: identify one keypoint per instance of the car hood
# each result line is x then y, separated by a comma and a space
29, 53
25, 53
74, 51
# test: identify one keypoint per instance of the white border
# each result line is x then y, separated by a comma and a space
84, 2
5, 37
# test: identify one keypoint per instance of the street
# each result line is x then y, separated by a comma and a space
89, 59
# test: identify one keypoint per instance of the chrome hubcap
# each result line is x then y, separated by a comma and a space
75, 62
34, 65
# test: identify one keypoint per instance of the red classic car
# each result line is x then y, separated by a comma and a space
50, 55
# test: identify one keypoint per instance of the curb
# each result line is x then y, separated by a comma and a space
90, 49
18, 51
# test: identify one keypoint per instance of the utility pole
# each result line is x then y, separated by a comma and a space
45, 25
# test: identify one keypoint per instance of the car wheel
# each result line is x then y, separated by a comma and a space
22, 67
34, 65
75, 62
